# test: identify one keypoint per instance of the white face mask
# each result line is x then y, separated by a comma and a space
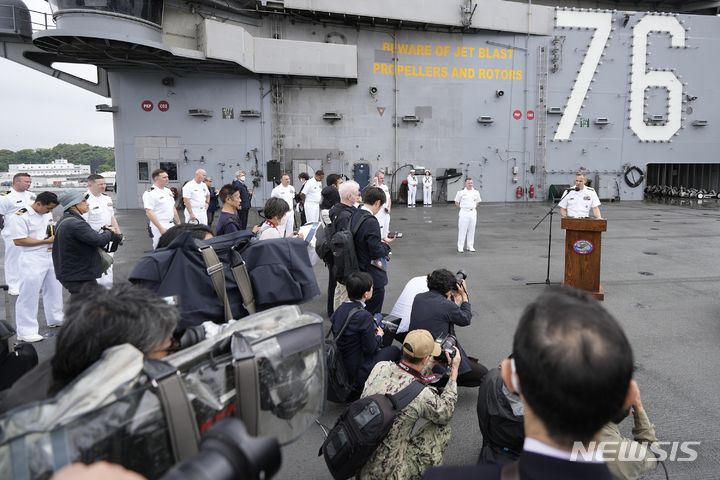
242, 179
283, 220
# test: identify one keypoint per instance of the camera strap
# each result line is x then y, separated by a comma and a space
216, 272
347, 322
425, 379
179, 414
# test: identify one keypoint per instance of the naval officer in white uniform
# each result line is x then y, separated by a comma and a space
579, 202
28, 230
196, 197
383, 215
159, 205
101, 214
19, 196
412, 188
467, 200
286, 192
427, 188
313, 194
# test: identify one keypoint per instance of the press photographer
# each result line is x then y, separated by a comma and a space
440, 309
78, 252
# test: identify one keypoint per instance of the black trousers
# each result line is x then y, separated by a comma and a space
243, 216
474, 376
374, 305
331, 289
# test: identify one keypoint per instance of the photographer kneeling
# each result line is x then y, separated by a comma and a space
360, 343
439, 310
406, 451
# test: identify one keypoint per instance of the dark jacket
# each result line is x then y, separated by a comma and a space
213, 200
358, 343
533, 466
340, 215
34, 386
369, 246
330, 196
227, 223
433, 312
245, 196
503, 432
75, 249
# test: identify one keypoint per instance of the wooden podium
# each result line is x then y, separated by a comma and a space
582, 254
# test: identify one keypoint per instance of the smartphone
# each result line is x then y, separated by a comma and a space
395, 235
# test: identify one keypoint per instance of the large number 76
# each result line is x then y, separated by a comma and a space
642, 77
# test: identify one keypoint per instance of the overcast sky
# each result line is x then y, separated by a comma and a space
39, 111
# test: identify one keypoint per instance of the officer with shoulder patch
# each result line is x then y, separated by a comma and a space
19, 196
159, 205
32, 231
579, 201
101, 214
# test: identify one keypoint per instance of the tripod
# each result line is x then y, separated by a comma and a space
550, 213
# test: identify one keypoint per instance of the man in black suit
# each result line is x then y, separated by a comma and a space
245, 198
370, 248
439, 310
572, 366
361, 344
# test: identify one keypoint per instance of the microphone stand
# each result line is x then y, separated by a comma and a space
550, 213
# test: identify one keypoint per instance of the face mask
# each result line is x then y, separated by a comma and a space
283, 220
242, 179
514, 377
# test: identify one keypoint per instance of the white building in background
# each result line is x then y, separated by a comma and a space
58, 173
57, 168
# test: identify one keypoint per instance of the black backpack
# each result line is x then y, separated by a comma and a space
361, 429
339, 385
342, 245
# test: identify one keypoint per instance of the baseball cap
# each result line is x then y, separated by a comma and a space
420, 344
70, 198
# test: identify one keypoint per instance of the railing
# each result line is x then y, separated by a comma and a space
17, 17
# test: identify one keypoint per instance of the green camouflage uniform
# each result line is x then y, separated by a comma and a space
636, 448
404, 454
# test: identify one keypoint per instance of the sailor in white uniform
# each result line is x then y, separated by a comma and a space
467, 200
383, 216
31, 229
196, 198
19, 196
286, 192
412, 188
427, 188
159, 205
577, 203
313, 194
101, 214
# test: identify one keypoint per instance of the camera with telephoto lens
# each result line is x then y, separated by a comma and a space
115, 241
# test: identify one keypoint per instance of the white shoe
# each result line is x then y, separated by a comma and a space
460, 250
56, 325
31, 338
13, 292
471, 249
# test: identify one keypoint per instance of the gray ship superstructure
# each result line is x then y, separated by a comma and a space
517, 95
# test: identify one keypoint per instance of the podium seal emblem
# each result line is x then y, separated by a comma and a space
583, 247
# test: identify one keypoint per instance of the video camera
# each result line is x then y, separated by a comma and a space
267, 371
228, 452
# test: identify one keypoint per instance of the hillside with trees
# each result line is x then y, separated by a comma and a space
101, 159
